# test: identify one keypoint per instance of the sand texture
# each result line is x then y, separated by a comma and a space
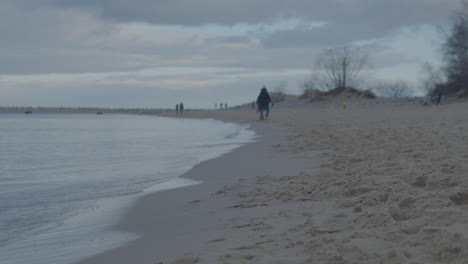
325, 185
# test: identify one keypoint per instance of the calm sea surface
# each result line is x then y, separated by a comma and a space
66, 178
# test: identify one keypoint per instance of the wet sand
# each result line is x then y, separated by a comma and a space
324, 185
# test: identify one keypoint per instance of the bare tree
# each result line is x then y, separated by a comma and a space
313, 82
394, 89
432, 78
342, 67
309, 84
455, 51
312, 86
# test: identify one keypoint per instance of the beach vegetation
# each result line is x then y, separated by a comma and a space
311, 95
279, 94
393, 89
339, 73
312, 88
277, 97
315, 95
433, 78
452, 78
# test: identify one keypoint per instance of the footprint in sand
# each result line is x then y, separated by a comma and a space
460, 198
186, 261
221, 239
228, 258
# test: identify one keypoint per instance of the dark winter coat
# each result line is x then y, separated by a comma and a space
263, 99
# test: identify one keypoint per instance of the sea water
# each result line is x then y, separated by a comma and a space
65, 179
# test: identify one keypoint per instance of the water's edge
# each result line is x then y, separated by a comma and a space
186, 177
109, 210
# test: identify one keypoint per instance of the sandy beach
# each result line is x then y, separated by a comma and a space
368, 184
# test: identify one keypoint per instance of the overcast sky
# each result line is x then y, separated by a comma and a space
155, 53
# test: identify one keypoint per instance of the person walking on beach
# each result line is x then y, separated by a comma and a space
181, 107
177, 108
263, 102
438, 98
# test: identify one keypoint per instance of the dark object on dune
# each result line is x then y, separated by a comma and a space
99, 113
28, 112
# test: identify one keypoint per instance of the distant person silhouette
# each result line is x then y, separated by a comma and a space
263, 102
181, 107
216, 105
225, 106
439, 98
177, 108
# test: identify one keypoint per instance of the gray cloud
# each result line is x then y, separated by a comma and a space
231, 39
42, 37
381, 13
327, 35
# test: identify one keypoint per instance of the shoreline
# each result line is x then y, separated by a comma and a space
388, 186
71, 237
167, 237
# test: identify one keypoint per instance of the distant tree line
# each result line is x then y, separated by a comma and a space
452, 78
342, 68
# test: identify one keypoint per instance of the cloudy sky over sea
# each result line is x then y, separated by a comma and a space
155, 53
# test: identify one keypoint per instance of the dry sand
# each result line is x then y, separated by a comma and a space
361, 185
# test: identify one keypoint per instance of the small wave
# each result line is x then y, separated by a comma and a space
206, 146
233, 135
